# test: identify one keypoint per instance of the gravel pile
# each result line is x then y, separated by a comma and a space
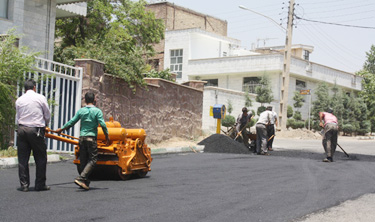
218, 143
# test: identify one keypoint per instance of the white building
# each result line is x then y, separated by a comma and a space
35, 20
230, 71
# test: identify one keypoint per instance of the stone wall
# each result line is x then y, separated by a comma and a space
164, 109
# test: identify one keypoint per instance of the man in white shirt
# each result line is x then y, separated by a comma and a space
261, 129
271, 129
32, 117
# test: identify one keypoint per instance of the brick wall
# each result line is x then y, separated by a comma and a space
165, 109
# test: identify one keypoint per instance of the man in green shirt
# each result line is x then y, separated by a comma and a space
90, 117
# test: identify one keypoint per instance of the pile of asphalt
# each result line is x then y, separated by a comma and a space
218, 143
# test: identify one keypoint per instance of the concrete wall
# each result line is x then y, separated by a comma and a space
35, 20
215, 95
165, 109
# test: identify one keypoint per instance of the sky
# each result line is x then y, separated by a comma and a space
339, 47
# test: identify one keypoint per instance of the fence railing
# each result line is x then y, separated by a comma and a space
61, 84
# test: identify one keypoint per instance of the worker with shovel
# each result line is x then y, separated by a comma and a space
242, 121
330, 133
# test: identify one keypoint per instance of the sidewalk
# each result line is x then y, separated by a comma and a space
10, 162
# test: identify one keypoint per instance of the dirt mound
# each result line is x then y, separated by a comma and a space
303, 134
217, 143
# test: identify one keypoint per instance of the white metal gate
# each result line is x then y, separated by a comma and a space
62, 86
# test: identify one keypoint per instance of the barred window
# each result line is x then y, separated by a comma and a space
300, 85
176, 62
250, 83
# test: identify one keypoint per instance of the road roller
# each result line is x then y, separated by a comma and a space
127, 154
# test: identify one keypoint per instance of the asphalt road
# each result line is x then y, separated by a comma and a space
197, 187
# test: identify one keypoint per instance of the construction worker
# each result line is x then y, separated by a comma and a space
241, 123
32, 117
90, 117
330, 133
271, 129
261, 129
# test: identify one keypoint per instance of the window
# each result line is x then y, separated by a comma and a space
300, 85
306, 55
250, 83
4, 9
176, 62
211, 82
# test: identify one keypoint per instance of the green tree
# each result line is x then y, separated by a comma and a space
289, 112
298, 103
298, 100
164, 74
322, 102
248, 100
369, 65
230, 107
13, 63
229, 120
264, 91
368, 95
120, 33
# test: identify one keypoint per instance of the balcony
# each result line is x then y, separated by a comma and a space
260, 64
70, 8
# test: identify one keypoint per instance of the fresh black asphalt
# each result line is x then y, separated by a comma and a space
207, 187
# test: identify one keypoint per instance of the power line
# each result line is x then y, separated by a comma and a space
337, 44
331, 23
328, 49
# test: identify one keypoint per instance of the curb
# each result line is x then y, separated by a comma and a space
11, 162
195, 149
366, 137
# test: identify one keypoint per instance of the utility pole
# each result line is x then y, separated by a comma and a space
286, 68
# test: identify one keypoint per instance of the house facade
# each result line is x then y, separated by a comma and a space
176, 18
35, 20
230, 71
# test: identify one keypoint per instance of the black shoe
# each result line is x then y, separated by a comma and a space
23, 189
81, 184
328, 160
42, 188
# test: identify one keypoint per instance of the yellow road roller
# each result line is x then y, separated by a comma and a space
128, 154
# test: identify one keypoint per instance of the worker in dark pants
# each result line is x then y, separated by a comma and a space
241, 123
271, 129
330, 133
91, 117
32, 116
261, 129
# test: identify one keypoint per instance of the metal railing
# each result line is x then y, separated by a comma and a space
61, 84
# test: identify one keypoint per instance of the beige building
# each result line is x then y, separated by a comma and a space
176, 18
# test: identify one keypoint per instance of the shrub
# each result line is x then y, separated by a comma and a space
261, 109
289, 112
295, 124
297, 115
348, 129
228, 121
